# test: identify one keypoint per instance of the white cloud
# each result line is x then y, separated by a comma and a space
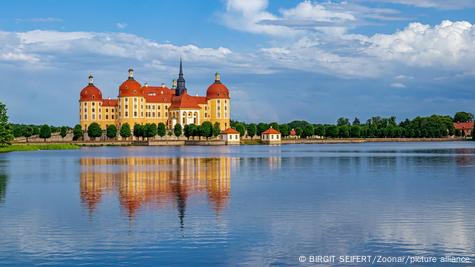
121, 25
449, 45
441, 4
398, 85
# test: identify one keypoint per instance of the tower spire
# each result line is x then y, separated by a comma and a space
180, 82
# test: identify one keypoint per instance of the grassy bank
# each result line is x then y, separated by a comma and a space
35, 147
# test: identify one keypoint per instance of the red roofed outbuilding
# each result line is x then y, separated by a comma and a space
465, 128
271, 136
230, 136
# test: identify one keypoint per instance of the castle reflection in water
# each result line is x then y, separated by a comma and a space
155, 182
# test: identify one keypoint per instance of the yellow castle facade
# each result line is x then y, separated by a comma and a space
142, 104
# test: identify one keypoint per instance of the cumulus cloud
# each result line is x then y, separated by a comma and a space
449, 45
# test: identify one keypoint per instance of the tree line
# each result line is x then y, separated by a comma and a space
146, 131
434, 126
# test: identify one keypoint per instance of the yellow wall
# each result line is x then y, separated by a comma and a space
219, 111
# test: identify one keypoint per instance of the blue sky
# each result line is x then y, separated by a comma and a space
281, 60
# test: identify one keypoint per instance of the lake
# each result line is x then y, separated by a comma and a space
239, 205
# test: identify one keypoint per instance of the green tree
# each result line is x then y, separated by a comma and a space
463, 117
299, 131
177, 130
344, 131
251, 130
308, 131
63, 132
198, 131
331, 131
6, 134
150, 130
207, 129
356, 121
45, 132
355, 131
274, 125
216, 129
284, 130
77, 132
27, 132
343, 122
261, 127
138, 131
161, 130
241, 129
94, 130
319, 130
125, 131
111, 131
188, 130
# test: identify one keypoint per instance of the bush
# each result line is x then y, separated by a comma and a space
94, 130
125, 131
45, 132
77, 132
111, 131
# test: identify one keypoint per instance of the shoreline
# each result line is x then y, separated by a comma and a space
214, 142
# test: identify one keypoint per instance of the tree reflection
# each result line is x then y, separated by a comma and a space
3, 182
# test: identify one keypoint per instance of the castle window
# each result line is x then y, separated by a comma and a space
219, 107
85, 116
135, 99
93, 117
126, 106
126, 99
158, 114
93, 110
100, 116
135, 113
158, 107
112, 116
225, 114
166, 107
93, 103
141, 106
219, 102
219, 115
141, 114
126, 114
206, 115
225, 107
85, 109
153, 114
107, 110
107, 117
85, 104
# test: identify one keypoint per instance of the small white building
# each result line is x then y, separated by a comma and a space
271, 136
230, 136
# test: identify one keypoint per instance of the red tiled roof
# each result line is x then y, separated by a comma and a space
217, 90
130, 88
90, 93
185, 101
463, 125
230, 131
109, 102
271, 131
157, 94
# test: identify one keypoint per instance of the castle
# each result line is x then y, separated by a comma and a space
137, 104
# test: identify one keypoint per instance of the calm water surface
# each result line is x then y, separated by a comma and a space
247, 205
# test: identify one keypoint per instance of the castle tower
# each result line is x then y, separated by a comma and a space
219, 103
90, 104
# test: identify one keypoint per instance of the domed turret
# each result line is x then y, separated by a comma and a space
90, 92
130, 87
217, 89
